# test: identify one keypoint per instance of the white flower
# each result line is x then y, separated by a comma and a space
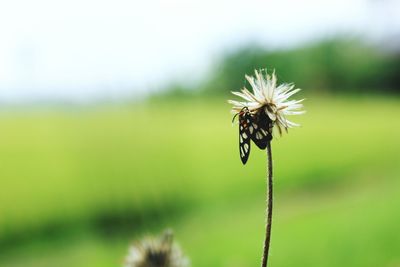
152, 252
270, 98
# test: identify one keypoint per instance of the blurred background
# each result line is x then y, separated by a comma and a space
114, 124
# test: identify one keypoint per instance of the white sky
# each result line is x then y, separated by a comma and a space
85, 49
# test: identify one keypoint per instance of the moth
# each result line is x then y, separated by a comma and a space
253, 126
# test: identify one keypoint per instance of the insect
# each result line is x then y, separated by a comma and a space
256, 127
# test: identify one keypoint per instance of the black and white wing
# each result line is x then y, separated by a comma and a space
260, 130
245, 120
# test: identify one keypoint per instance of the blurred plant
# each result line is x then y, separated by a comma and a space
337, 64
156, 252
264, 112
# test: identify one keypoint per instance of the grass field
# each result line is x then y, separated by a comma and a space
77, 185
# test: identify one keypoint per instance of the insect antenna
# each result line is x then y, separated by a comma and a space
239, 113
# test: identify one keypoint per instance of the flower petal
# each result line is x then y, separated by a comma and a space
270, 114
246, 97
287, 94
288, 112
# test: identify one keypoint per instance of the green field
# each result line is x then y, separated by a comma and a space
78, 184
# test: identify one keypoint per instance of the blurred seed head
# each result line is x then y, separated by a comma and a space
156, 252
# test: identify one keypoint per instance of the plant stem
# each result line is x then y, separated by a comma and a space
269, 208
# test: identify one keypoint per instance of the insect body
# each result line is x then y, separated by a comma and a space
256, 127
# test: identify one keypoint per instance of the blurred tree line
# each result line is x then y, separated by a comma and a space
346, 65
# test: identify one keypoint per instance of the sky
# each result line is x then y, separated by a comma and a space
83, 50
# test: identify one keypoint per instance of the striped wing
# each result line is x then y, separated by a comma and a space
245, 120
260, 130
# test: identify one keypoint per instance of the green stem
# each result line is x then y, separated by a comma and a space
269, 208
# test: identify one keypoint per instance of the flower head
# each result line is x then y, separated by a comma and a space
156, 252
270, 98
